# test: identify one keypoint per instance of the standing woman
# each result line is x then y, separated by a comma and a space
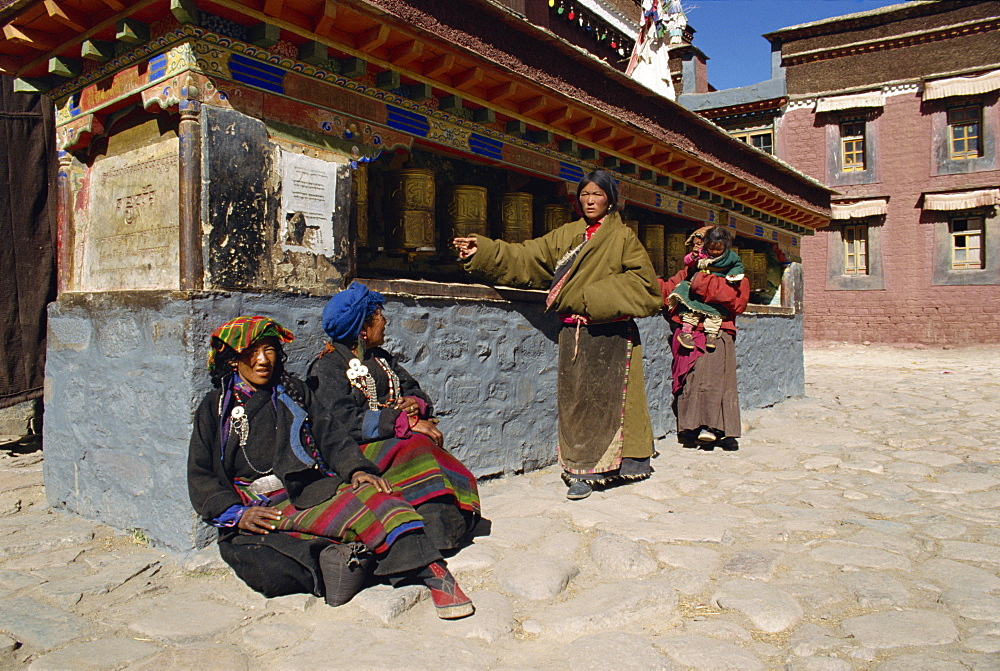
599, 278
287, 506
706, 401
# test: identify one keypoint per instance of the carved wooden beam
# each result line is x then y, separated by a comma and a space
370, 40
326, 18
499, 94
644, 151
273, 7
626, 143
31, 38
661, 159
674, 166
468, 80
406, 53
439, 66
114, 4
64, 67
97, 50
583, 126
603, 134
533, 105
67, 16
558, 116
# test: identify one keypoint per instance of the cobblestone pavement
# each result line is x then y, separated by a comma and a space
857, 528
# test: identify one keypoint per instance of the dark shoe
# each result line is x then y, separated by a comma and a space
579, 490
449, 599
685, 340
710, 341
729, 444
344, 567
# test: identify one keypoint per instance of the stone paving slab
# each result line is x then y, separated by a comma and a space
38, 624
855, 529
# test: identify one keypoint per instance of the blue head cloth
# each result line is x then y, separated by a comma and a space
347, 311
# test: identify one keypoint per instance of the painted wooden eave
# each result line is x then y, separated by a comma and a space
384, 33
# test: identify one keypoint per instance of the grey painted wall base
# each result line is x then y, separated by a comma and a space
126, 370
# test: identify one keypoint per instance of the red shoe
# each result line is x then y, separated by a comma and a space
449, 599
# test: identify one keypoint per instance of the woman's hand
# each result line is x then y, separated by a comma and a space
360, 478
466, 246
258, 519
409, 405
430, 430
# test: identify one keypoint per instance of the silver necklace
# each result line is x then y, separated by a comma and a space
240, 423
361, 378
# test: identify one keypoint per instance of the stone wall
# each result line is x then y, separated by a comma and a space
126, 370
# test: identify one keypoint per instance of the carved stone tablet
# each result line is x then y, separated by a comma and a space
129, 235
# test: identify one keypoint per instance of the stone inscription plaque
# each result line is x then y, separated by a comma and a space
308, 201
129, 235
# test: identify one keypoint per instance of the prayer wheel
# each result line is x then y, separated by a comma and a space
555, 216
676, 249
467, 211
633, 224
746, 256
515, 217
759, 282
411, 209
361, 199
652, 239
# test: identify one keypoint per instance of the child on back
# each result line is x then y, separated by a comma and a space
713, 255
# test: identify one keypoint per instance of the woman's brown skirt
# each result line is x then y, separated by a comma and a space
709, 397
603, 414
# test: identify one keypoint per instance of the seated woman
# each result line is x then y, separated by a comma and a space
362, 393
286, 505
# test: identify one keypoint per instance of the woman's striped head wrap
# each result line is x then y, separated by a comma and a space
242, 332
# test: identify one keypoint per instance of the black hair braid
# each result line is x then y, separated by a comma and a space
292, 389
223, 364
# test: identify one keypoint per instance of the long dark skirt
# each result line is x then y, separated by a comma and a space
604, 426
709, 396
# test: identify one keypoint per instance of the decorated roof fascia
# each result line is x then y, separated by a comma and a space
612, 145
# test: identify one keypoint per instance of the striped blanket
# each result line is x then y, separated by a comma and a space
422, 471
366, 515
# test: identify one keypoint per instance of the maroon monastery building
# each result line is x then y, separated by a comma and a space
896, 109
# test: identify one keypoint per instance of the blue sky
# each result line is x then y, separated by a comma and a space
729, 31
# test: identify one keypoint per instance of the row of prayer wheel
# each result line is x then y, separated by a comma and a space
411, 224
412, 211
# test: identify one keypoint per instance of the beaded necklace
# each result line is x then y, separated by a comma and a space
361, 379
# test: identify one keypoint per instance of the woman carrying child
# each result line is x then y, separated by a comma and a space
712, 254
706, 401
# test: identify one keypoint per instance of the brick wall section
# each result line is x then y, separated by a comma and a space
910, 309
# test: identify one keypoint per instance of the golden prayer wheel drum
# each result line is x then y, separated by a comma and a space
361, 200
759, 281
411, 208
633, 224
746, 256
652, 239
515, 217
467, 211
676, 249
555, 216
